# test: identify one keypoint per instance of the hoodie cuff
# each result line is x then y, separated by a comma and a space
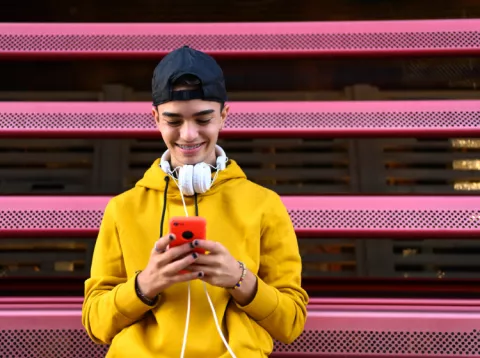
263, 304
127, 301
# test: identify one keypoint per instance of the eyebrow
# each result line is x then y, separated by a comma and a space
197, 114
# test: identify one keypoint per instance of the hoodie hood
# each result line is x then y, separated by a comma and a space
154, 178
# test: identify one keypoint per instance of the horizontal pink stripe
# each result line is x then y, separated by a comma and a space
249, 119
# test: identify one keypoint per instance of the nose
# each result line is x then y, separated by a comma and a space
189, 131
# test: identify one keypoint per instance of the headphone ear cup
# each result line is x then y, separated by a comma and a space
221, 158
221, 162
165, 167
185, 180
164, 164
202, 178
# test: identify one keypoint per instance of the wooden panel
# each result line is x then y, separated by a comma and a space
34, 257
432, 258
47, 166
442, 165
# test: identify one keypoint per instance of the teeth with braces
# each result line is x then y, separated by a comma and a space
189, 147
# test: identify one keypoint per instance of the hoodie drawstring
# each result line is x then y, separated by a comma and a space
196, 205
167, 180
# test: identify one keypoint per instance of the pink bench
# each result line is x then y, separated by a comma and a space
426, 37
335, 327
249, 119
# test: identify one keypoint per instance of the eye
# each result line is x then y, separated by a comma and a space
174, 123
204, 121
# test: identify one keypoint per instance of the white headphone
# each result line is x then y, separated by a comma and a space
195, 178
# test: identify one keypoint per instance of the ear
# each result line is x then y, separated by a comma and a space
156, 117
224, 115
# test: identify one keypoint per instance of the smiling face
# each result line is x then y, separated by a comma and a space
190, 129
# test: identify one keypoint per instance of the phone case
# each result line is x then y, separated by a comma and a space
188, 229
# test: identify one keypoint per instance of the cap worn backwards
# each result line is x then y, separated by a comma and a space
188, 61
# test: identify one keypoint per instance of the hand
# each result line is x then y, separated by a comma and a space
219, 267
164, 266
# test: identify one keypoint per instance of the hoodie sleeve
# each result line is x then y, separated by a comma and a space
110, 303
280, 303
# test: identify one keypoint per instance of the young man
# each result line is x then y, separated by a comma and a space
233, 300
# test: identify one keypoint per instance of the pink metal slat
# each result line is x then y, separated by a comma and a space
249, 119
363, 332
388, 334
456, 36
356, 216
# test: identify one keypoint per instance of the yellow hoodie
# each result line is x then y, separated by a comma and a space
249, 220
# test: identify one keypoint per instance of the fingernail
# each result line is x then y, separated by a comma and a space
171, 237
192, 245
200, 274
194, 255
195, 242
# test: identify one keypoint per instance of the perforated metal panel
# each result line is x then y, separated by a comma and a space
256, 117
46, 343
308, 213
385, 219
78, 120
359, 119
75, 343
263, 38
400, 343
45, 219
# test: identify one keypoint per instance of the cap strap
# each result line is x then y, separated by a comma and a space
186, 95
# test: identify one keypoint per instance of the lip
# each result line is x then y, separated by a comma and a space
191, 151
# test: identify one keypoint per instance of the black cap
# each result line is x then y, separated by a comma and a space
187, 61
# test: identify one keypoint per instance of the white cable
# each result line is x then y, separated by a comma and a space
216, 322
185, 333
180, 189
212, 307
187, 322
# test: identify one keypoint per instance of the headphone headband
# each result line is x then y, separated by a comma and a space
195, 178
221, 160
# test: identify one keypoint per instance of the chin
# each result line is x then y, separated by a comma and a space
201, 155
190, 160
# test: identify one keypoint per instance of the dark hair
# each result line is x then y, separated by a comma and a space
191, 81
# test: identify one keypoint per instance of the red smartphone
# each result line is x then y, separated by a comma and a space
187, 229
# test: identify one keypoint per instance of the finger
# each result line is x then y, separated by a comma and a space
161, 244
175, 253
208, 245
181, 256
207, 270
189, 276
175, 267
207, 260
